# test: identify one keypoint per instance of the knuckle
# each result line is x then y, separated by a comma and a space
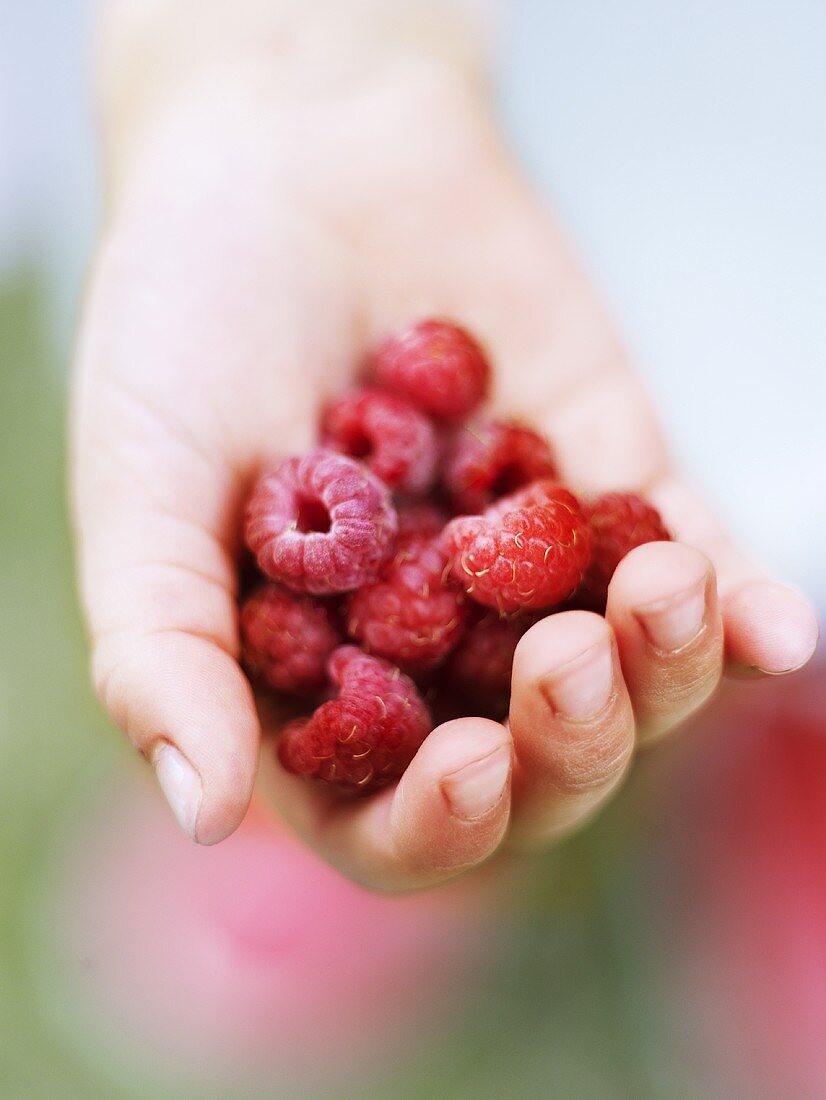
146, 599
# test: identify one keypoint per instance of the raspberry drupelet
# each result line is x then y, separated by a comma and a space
436, 365
521, 557
414, 614
489, 458
619, 522
366, 737
483, 660
392, 437
321, 524
286, 640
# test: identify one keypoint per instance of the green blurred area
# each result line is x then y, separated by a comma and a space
50, 731
569, 1005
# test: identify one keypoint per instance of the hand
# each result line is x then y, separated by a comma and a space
261, 238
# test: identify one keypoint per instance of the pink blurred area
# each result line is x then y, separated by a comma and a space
247, 963
254, 966
744, 911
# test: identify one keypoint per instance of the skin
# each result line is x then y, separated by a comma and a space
263, 231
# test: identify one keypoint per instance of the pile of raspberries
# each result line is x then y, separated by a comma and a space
406, 556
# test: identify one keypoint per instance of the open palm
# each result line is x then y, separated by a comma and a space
246, 269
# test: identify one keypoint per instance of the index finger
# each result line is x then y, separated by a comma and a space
448, 813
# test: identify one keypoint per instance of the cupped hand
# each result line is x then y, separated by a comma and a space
256, 247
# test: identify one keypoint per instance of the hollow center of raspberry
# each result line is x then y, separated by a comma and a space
312, 516
359, 445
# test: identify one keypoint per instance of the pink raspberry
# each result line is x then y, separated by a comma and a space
287, 639
367, 736
438, 366
321, 524
413, 615
517, 557
421, 517
619, 522
487, 459
483, 660
386, 432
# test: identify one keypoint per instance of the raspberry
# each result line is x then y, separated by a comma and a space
438, 366
321, 524
487, 459
413, 615
421, 517
619, 522
286, 639
483, 660
366, 737
518, 557
530, 496
392, 437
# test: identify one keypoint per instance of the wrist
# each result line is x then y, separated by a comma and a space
155, 52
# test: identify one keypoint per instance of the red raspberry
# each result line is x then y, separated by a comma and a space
366, 737
421, 517
438, 366
619, 522
321, 524
286, 639
413, 615
538, 492
487, 459
483, 660
392, 437
517, 558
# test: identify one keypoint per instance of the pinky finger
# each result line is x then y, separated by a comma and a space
770, 628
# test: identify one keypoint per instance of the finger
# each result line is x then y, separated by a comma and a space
448, 813
571, 721
184, 703
663, 606
158, 582
164, 661
769, 628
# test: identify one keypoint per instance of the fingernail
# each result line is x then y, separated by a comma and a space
580, 689
672, 623
475, 789
180, 784
778, 671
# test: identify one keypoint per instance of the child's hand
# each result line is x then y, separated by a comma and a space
264, 232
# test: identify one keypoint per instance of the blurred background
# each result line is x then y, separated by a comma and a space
677, 948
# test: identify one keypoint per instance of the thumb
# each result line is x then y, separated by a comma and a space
154, 510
